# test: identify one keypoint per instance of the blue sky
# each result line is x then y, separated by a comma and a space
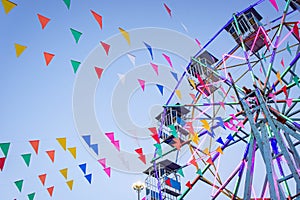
36, 100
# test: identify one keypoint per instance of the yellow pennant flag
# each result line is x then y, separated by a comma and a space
70, 184
195, 138
192, 82
125, 35
19, 49
206, 151
8, 5
206, 125
62, 142
178, 93
219, 150
73, 151
64, 172
278, 77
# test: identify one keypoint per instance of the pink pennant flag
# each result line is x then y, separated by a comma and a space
116, 144
193, 97
197, 41
102, 161
240, 124
107, 171
155, 67
233, 116
110, 136
106, 47
233, 98
223, 90
273, 2
168, 9
282, 62
168, 59
222, 104
289, 102
98, 71
260, 69
142, 84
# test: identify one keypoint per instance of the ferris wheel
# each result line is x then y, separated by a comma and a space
244, 114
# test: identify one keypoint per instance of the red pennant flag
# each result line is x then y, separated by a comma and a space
42, 178
98, 18
282, 62
139, 151
209, 160
51, 154
189, 185
50, 190
296, 30
35, 145
2, 162
48, 57
43, 20
98, 72
106, 47
168, 182
194, 162
168, 9
143, 158
284, 89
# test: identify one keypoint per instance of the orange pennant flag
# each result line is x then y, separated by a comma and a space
219, 150
51, 154
43, 20
98, 18
50, 190
48, 57
35, 145
42, 178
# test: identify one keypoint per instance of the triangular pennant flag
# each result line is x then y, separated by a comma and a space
230, 137
149, 49
189, 185
83, 167
125, 35
168, 181
195, 138
158, 149
42, 178
178, 93
26, 158
198, 42
89, 178
177, 143
289, 102
142, 84
48, 57
174, 75
75, 65
263, 56
131, 58
110, 136
19, 49
35, 145
139, 151
282, 62
279, 77
50, 190
95, 148
31, 196
193, 97
296, 30
273, 2
168, 9
43, 20
220, 122
192, 82
173, 130
219, 150
64, 172
206, 125
76, 34
98, 18
107, 171
116, 143
160, 88
2, 162
68, 3
72, 150
98, 72
206, 151
87, 139
5, 147
284, 89
219, 140
122, 78
210, 161
8, 6
143, 158
296, 80
199, 172
102, 161
180, 171
288, 48
70, 184
51, 154
62, 142
19, 185
168, 60
155, 67
106, 47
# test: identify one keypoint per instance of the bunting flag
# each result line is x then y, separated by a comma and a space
195, 138
282, 62
158, 149
296, 30
76, 34
154, 134
193, 161
279, 77
296, 80
263, 56
180, 171
106, 47
72, 150
206, 125
8, 6
220, 122
5, 147
289, 102
230, 137
51, 154
125, 35
189, 185
210, 161
274, 4
198, 43
168, 60
19, 49
26, 158
122, 78
98, 18
75, 65
206, 152
168, 9
2, 162
219, 140
131, 58
64, 173
173, 130
19, 185
48, 57
155, 67
70, 184
149, 49
142, 84
43, 20
98, 71
199, 172
142, 157
62, 142
111, 137
42, 178
193, 97
174, 75
178, 93
192, 83
87, 139
94, 147
107, 170
68, 3
83, 167
160, 88
219, 150
50, 190
177, 143
222, 105
284, 89
288, 48
31, 196
88, 178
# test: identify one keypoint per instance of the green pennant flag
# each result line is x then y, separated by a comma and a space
19, 184
263, 56
173, 130
4, 147
158, 147
180, 171
76, 34
296, 80
26, 158
288, 48
75, 65
68, 3
31, 196
199, 172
